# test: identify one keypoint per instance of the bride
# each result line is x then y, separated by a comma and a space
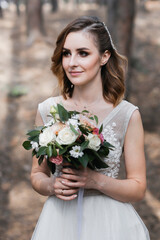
91, 76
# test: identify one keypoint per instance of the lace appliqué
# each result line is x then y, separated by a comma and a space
113, 158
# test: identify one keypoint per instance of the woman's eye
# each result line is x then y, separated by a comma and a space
83, 54
65, 53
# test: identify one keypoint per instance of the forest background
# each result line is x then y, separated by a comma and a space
28, 31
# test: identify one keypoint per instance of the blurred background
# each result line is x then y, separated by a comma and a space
28, 31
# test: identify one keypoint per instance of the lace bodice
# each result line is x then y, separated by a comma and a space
114, 129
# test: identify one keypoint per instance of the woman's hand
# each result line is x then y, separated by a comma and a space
63, 191
81, 178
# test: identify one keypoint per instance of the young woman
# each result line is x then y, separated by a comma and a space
91, 76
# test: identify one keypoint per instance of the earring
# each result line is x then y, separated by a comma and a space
71, 85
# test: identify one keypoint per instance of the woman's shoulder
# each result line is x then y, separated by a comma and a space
50, 100
129, 105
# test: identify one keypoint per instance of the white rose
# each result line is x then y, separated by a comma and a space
46, 136
74, 122
94, 142
35, 146
66, 136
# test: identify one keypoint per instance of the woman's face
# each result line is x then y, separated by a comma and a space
81, 60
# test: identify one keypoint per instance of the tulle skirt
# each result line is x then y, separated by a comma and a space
103, 218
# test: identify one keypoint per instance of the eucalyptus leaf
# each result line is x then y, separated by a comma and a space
49, 151
101, 129
91, 118
27, 145
84, 145
73, 129
96, 118
84, 160
62, 151
42, 151
33, 133
85, 111
34, 139
58, 145
33, 152
63, 114
40, 160
54, 153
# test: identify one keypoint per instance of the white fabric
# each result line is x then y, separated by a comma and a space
103, 218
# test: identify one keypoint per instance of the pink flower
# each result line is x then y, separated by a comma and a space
57, 160
101, 137
96, 132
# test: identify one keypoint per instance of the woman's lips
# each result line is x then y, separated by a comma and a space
75, 73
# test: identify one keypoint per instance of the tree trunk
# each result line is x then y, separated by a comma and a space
54, 4
121, 14
1, 12
35, 22
17, 2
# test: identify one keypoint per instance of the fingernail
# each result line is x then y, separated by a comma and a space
75, 195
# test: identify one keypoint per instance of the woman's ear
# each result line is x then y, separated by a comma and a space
105, 57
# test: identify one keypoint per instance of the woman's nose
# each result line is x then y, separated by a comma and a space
73, 61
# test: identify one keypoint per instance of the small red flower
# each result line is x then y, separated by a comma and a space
96, 132
57, 160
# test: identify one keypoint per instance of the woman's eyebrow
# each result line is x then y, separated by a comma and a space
78, 49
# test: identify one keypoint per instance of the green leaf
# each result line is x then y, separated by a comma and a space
33, 152
34, 139
39, 128
83, 130
99, 163
62, 151
54, 153
27, 145
51, 166
91, 118
101, 129
49, 151
42, 151
84, 160
58, 145
84, 145
33, 133
40, 160
108, 145
96, 118
85, 111
63, 114
73, 129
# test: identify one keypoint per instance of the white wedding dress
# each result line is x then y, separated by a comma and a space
103, 218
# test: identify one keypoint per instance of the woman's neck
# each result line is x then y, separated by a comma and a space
87, 95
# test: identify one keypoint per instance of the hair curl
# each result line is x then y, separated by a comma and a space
112, 73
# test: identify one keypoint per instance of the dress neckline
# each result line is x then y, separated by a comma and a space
109, 115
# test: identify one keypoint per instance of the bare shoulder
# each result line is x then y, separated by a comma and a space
135, 119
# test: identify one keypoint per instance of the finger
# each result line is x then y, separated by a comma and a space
73, 184
71, 177
64, 192
70, 171
66, 198
59, 185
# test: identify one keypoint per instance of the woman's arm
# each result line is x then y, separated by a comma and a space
133, 187
41, 179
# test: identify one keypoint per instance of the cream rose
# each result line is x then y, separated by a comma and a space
66, 136
46, 136
94, 142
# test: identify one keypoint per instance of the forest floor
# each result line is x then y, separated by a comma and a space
27, 69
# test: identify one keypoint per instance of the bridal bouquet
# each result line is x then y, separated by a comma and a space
69, 136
